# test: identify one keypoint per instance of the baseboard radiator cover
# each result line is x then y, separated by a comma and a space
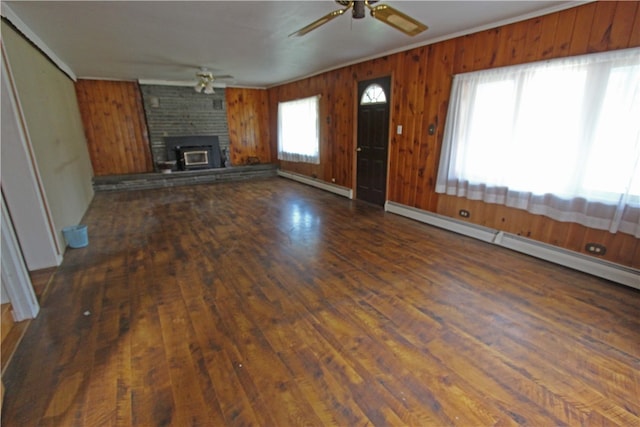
333, 188
607, 270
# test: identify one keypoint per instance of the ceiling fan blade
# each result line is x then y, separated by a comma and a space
315, 24
397, 19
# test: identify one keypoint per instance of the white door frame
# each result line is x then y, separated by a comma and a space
15, 277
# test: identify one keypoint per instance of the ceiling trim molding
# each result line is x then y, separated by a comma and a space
462, 33
189, 83
160, 82
12, 17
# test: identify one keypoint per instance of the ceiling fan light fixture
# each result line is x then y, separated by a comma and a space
204, 75
208, 89
205, 82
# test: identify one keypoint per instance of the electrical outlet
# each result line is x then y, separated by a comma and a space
464, 213
595, 249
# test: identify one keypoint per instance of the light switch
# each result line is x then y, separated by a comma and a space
399, 130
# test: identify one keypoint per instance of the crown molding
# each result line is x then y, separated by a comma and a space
189, 83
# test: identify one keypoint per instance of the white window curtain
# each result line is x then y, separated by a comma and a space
299, 130
559, 138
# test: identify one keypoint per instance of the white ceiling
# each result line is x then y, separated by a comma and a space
170, 40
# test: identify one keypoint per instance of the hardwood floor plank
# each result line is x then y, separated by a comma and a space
190, 407
272, 303
347, 371
151, 393
123, 375
289, 333
257, 354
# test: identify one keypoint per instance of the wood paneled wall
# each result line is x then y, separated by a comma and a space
421, 82
117, 135
248, 120
115, 127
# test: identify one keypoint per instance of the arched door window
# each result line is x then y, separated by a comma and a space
373, 94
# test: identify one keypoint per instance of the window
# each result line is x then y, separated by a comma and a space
559, 138
373, 94
298, 130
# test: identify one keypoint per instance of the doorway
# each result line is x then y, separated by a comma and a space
373, 139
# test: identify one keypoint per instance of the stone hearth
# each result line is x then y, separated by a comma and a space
146, 181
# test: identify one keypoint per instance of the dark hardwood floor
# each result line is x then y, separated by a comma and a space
272, 303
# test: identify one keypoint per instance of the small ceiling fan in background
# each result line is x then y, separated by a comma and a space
382, 12
205, 79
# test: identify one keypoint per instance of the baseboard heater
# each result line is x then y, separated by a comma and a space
617, 273
333, 188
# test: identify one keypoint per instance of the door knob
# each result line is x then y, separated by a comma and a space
358, 149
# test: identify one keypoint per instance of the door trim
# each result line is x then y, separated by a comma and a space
15, 278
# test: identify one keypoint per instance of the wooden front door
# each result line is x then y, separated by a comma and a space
373, 139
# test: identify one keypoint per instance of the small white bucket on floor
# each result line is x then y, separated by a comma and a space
76, 236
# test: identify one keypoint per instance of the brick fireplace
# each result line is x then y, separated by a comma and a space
176, 111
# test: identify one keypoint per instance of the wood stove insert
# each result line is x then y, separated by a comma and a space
194, 151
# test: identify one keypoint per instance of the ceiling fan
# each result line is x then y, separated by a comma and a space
205, 79
382, 12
